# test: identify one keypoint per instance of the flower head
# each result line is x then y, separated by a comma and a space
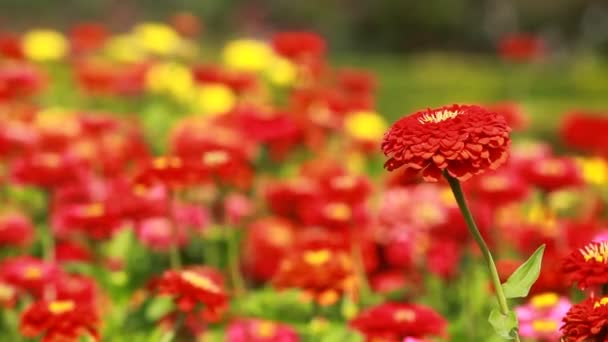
44, 45
193, 286
540, 318
588, 267
60, 320
586, 321
257, 330
461, 140
392, 322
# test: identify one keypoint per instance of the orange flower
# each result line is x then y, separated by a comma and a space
193, 286
461, 140
324, 274
60, 321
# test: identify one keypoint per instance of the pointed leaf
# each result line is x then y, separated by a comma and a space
519, 283
504, 325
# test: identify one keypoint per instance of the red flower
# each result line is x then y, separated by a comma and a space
60, 321
194, 286
186, 24
159, 234
586, 131
10, 46
521, 48
586, 321
501, 188
49, 170
552, 173
29, 274
87, 37
461, 140
15, 229
19, 80
357, 82
393, 322
513, 113
588, 267
267, 242
68, 251
324, 274
443, 258
297, 45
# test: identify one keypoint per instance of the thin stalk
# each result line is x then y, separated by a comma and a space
357, 256
468, 217
234, 267
174, 257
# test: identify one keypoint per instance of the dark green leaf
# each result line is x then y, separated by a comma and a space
519, 283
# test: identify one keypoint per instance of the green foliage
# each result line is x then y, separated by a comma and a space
504, 325
519, 283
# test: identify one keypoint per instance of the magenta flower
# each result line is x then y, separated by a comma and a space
540, 319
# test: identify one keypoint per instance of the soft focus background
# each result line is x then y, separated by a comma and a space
189, 133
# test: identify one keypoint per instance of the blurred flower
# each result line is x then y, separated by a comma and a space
267, 242
460, 140
60, 320
365, 126
594, 170
541, 317
19, 81
513, 113
257, 330
186, 24
246, 55
172, 79
443, 258
586, 321
297, 45
501, 188
16, 229
10, 46
108, 78
521, 47
125, 48
193, 286
586, 131
392, 322
356, 82
237, 207
68, 251
87, 37
552, 173
213, 99
44, 45
324, 274
588, 267
29, 274
281, 71
157, 38
159, 234
8, 295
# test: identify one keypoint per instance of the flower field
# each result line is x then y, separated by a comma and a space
156, 187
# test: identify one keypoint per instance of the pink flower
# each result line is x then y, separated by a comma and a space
237, 207
541, 317
157, 234
257, 330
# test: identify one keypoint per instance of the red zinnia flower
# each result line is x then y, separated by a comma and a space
586, 321
512, 112
297, 45
588, 267
521, 47
60, 321
552, 173
87, 37
323, 273
587, 131
193, 286
29, 274
393, 322
461, 140
15, 229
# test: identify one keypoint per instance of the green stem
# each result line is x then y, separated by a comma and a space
174, 257
468, 217
233, 261
357, 255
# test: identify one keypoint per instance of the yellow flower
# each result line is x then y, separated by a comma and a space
170, 78
365, 126
44, 45
281, 71
215, 99
595, 170
124, 48
246, 55
157, 38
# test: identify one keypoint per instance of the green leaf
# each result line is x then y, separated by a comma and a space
158, 307
504, 325
519, 283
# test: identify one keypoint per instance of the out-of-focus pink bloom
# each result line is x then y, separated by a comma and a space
191, 216
257, 330
15, 229
237, 207
540, 319
159, 233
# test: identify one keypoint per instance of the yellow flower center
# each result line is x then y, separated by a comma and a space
161, 163
343, 182
266, 329
328, 298
317, 258
597, 252
279, 235
545, 300
404, 315
544, 325
338, 211
6, 292
437, 117
494, 183
600, 302
550, 168
200, 281
32, 272
93, 210
61, 306
215, 158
